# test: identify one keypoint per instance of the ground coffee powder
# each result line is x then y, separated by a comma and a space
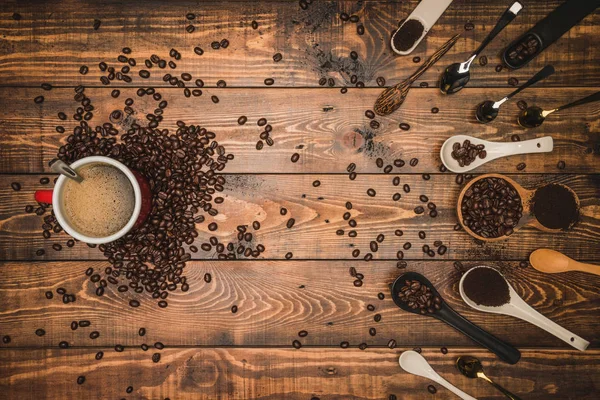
408, 34
555, 206
486, 287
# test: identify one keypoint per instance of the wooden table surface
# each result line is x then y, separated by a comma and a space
212, 353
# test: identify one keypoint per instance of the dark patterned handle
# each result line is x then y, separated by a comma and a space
434, 58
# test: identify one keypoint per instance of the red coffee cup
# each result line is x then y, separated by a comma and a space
141, 209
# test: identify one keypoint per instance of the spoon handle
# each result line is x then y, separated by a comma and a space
510, 14
542, 74
501, 389
585, 267
585, 100
524, 311
541, 145
434, 58
437, 378
503, 350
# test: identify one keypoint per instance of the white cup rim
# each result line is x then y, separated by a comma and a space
57, 201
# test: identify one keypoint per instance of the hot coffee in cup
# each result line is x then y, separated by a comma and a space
109, 201
100, 205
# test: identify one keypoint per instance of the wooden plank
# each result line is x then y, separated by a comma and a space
52, 41
328, 129
285, 374
276, 300
318, 213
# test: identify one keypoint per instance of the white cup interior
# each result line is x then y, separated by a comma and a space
58, 205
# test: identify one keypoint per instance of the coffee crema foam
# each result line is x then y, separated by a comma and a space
102, 204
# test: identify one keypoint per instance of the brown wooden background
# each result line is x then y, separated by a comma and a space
210, 352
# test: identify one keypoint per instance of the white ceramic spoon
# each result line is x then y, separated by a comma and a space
518, 308
414, 363
427, 12
494, 150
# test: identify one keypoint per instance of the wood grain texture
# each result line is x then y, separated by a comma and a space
276, 300
53, 39
326, 128
318, 213
285, 374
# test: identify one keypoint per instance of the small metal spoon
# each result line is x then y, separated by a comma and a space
488, 110
471, 368
61, 167
456, 76
534, 116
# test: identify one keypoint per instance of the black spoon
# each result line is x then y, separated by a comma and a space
488, 110
503, 350
456, 76
533, 116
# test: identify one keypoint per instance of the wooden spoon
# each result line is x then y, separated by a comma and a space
526, 195
552, 262
392, 98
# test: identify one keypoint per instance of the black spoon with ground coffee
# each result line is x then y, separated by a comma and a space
445, 313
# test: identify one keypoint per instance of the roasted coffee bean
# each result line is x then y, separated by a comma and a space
40, 332
406, 188
515, 138
362, 346
483, 60
370, 114
513, 81
561, 165
374, 124
404, 126
39, 100
431, 389
283, 211
371, 192
63, 345
94, 335
380, 81
413, 162
74, 325
84, 323
269, 81
190, 28
254, 25
80, 380
207, 277
290, 223
372, 331
99, 355
344, 345
522, 104
521, 166
377, 318
407, 246
156, 357
354, 18
296, 344
498, 68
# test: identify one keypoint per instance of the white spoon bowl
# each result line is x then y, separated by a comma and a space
518, 308
494, 150
414, 363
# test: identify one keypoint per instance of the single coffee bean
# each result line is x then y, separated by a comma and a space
296, 344
40, 332
432, 389
63, 345
99, 355
290, 223
521, 166
80, 380
156, 357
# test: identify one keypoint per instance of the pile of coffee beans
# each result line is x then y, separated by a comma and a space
468, 152
491, 207
522, 51
419, 297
